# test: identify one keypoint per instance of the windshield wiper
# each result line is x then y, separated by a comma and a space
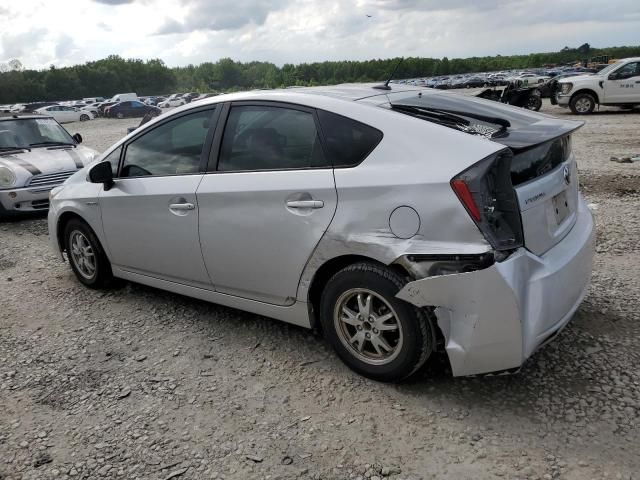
7, 149
42, 144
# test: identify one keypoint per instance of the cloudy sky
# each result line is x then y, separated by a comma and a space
65, 32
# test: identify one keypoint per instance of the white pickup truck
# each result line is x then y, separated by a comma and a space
616, 85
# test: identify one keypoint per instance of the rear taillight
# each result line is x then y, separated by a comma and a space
464, 194
487, 194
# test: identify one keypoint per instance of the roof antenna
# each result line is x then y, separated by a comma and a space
386, 86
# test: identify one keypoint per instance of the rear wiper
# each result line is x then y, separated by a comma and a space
42, 144
503, 122
433, 113
453, 118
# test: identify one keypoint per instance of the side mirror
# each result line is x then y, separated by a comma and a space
101, 173
77, 137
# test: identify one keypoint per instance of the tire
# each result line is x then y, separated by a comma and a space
582, 103
408, 332
534, 103
120, 115
75, 232
84, 117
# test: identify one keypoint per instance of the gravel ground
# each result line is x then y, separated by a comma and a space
137, 383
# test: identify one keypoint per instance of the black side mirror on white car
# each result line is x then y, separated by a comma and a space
101, 173
77, 137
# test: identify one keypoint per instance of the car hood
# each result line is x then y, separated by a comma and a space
47, 160
579, 78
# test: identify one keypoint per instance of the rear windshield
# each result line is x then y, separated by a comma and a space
537, 161
465, 103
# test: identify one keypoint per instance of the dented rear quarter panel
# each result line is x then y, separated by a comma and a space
417, 176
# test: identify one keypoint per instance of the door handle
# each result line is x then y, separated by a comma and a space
182, 206
305, 204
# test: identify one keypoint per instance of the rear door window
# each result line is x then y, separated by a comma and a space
270, 138
348, 142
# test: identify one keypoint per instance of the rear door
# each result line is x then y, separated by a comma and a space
266, 203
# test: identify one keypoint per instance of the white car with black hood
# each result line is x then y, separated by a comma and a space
36, 155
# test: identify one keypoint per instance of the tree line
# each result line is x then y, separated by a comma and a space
152, 77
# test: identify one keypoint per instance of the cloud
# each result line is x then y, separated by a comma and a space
65, 46
114, 2
20, 44
221, 15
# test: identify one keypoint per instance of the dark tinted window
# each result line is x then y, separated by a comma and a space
629, 70
270, 138
114, 158
173, 148
347, 141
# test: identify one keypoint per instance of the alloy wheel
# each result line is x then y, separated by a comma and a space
82, 255
583, 105
368, 326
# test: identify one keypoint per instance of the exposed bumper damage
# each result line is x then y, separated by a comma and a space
494, 319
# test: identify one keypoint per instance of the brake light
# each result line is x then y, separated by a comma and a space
464, 194
486, 191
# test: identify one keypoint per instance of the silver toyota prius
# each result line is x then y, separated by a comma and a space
398, 220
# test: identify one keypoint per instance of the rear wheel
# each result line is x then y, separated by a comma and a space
86, 256
534, 103
120, 115
373, 332
582, 103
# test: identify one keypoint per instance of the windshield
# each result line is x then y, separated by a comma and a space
29, 131
607, 70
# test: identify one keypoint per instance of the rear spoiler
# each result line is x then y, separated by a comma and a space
528, 136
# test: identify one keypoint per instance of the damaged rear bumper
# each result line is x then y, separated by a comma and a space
494, 319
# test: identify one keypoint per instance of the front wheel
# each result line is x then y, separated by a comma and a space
120, 115
582, 104
84, 117
86, 256
373, 332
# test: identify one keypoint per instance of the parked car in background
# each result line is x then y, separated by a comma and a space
190, 96
151, 100
36, 154
174, 100
475, 82
65, 114
617, 85
103, 106
130, 109
93, 108
530, 78
301, 208
32, 107
93, 99
121, 97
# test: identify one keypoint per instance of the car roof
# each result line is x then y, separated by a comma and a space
345, 91
17, 116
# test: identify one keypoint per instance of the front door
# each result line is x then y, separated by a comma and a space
150, 215
623, 85
267, 205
